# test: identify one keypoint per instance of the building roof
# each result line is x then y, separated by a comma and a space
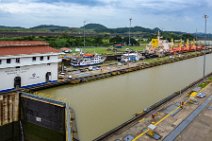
65, 49
25, 47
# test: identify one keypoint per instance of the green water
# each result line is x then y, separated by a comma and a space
35, 133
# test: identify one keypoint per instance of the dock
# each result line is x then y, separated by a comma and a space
200, 127
176, 119
112, 70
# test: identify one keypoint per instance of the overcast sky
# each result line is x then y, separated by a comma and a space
177, 15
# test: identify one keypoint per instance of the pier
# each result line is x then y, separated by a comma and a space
170, 119
113, 70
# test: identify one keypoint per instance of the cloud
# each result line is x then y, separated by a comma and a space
168, 14
55, 13
164, 6
45, 8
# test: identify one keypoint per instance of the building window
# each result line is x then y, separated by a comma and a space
48, 57
33, 58
41, 58
8, 61
17, 60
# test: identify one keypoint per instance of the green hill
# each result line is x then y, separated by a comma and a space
50, 28
9, 28
96, 27
101, 28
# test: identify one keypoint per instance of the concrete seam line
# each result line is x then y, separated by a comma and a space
187, 121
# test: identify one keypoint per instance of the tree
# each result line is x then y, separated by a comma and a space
60, 42
116, 40
133, 42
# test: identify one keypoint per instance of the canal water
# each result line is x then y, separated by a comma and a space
104, 104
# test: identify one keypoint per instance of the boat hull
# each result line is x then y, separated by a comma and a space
86, 65
80, 64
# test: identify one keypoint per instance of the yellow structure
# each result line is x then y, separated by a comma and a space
181, 43
187, 43
193, 94
193, 42
172, 43
155, 43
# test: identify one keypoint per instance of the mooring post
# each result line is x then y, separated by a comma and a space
68, 127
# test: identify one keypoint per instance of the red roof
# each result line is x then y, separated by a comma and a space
65, 49
119, 44
25, 47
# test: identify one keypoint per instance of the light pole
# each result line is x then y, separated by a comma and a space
196, 34
84, 32
129, 30
195, 43
204, 58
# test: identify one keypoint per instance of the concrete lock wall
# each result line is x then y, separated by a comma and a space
9, 124
10, 132
9, 108
39, 117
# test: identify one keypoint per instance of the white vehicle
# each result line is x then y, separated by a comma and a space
92, 68
69, 77
131, 57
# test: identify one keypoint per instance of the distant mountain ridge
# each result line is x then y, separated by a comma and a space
93, 28
11, 28
52, 28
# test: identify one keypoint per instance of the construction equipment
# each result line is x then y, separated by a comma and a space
151, 133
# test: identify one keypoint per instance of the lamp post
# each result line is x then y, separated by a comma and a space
84, 32
196, 34
204, 58
196, 41
129, 30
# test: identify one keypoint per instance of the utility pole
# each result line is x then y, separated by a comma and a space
204, 59
195, 42
129, 30
196, 35
84, 32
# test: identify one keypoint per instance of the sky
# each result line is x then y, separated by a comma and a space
169, 15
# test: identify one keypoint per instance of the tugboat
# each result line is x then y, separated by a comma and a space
87, 60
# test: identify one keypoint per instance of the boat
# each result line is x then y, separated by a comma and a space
131, 57
158, 47
87, 59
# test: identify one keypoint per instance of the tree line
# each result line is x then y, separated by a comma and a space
104, 41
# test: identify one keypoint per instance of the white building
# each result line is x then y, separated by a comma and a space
27, 63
